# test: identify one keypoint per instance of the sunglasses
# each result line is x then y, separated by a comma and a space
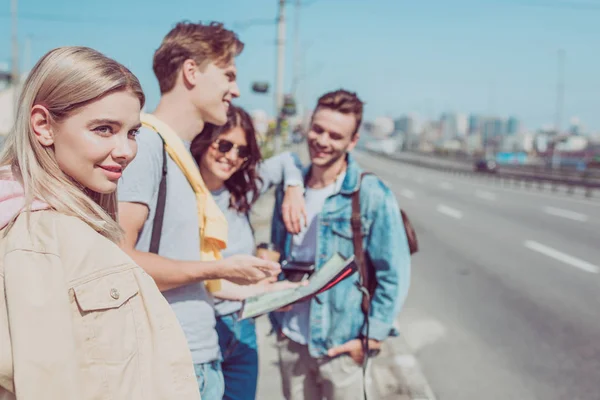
225, 146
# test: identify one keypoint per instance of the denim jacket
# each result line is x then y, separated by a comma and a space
335, 315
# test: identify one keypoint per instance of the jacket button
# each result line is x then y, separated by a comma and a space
114, 293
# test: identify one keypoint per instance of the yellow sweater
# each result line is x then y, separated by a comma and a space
211, 221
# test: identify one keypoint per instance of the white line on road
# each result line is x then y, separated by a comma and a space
560, 256
446, 185
482, 194
559, 212
449, 211
409, 194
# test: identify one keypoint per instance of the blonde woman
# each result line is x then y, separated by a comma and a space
78, 319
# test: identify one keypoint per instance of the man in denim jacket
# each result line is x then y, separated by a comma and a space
320, 341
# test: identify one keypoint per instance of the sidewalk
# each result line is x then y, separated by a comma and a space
394, 374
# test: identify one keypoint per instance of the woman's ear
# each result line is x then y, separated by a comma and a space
41, 123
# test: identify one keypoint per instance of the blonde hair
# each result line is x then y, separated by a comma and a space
197, 41
62, 81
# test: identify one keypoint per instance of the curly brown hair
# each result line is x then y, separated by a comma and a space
195, 41
244, 183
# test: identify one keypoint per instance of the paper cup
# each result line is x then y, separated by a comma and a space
267, 251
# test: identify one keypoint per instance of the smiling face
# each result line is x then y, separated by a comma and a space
215, 88
224, 157
331, 136
95, 143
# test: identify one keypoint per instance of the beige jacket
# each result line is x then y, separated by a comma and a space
80, 321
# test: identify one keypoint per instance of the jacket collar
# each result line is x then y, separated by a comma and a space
351, 181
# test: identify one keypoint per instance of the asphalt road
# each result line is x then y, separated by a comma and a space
505, 299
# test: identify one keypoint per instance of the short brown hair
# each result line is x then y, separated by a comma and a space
195, 41
344, 102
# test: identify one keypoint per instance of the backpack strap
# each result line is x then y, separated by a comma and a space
159, 215
359, 253
365, 283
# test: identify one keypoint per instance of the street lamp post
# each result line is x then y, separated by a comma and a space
280, 69
15, 54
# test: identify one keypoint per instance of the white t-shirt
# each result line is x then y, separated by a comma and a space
304, 246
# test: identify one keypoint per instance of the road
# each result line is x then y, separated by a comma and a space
505, 298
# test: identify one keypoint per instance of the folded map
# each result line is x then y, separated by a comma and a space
336, 269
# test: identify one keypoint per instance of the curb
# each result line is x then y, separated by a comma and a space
397, 375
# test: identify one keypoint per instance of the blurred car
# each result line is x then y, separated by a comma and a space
486, 165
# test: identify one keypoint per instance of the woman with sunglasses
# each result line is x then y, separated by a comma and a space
230, 164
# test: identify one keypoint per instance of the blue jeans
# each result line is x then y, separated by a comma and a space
210, 380
237, 340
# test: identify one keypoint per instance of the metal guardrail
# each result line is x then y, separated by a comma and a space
529, 176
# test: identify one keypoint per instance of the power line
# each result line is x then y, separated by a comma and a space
245, 24
568, 5
81, 19
75, 19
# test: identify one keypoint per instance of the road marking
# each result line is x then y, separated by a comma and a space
409, 194
446, 185
482, 194
560, 256
559, 212
449, 211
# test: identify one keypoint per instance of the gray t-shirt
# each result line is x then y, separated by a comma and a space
180, 239
240, 240
296, 322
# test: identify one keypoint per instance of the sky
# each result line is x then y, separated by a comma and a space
485, 57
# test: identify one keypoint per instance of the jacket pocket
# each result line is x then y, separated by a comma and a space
107, 319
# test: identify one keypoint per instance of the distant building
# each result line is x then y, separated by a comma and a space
573, 143
474, 124
382, 127
454, 125
8, 98
449, 126
462, 125
432, 132
493, 129
487, 130
260, 120
513, 126
474, 142
575, 127
406, 124
6, 110
499, 127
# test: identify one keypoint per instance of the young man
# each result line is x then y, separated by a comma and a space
320, 341
197, 76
